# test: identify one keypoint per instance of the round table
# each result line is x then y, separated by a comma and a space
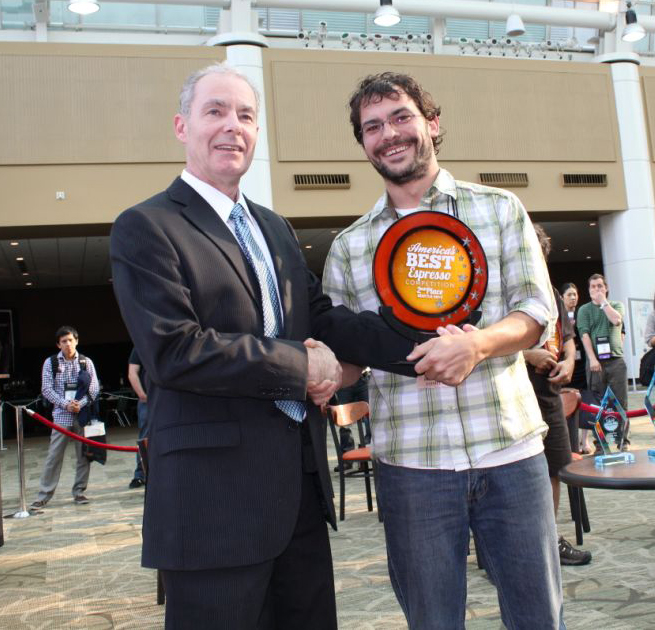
639, 475
583, 473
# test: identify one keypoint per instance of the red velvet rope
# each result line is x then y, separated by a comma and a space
79, 438
635, 413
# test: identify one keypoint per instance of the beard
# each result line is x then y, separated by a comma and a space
416, 170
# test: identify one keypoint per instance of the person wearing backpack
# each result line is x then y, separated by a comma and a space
62, 376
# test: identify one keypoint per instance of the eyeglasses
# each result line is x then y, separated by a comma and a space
373, 127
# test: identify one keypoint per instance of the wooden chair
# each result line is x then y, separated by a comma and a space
142, 445
571, 402
360, 457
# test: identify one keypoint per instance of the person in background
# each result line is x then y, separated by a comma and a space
550, 367
649, 333
600, 325
570, 297
61, 378
137, 377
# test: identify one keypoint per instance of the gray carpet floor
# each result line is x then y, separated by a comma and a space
78, 566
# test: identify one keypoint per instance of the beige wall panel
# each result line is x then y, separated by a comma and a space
94, 193
544, 193
509, 110
92, 104
648, 85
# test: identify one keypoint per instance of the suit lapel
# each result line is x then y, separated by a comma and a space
203, 217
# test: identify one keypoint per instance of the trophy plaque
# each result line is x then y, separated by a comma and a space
429, 270
611, 428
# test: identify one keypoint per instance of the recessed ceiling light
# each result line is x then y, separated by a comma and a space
110, 280
334, 231
28, 284
26, 273
20, 258
588, 257
592, 223
308, 246
13, 243
565, 250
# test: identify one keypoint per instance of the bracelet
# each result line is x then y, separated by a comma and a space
603, 305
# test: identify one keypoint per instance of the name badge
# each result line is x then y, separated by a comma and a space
69, 391
603, 347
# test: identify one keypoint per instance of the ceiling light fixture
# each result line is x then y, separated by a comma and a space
83, 7
14, 243
387, 14
514, 26
19, 258
633, 31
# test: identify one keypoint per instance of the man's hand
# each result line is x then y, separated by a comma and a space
541, 359
594, 364
561, 374
73, 406
449, 358
143, 399
323, 372
598, 295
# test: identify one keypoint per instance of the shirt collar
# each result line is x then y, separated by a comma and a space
443, 184
219, 201
61, 356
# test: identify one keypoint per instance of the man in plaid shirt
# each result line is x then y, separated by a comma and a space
61, 392
465, 452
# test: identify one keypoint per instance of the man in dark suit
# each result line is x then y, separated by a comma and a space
219, 302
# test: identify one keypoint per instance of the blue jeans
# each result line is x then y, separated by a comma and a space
427, 517
142, 415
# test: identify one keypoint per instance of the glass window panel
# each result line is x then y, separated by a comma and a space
17, 13
174, 15
284, 20
471, 29
337, 21
211, 17
123, 13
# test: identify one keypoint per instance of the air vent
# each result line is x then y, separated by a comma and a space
504, 180
320, 182
584, 180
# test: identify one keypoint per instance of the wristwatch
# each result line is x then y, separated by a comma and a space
603, 305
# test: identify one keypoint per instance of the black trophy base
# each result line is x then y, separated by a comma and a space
419, 335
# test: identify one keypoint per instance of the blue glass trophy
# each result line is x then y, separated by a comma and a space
610, 428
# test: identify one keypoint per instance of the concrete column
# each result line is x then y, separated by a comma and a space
256, 183
628, 237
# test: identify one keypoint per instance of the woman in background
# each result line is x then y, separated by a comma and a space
649, 334
570, 297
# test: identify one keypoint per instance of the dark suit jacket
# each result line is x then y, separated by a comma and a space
224, 463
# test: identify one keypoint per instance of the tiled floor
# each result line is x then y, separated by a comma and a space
78, 566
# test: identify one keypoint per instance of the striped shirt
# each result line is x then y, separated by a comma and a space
495, 407
54, 390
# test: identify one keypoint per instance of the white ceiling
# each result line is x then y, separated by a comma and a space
84, 260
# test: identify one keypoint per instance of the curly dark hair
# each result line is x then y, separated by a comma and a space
375, 87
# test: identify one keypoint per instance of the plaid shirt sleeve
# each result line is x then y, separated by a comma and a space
524, 273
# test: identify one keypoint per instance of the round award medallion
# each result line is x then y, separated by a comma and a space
430, 270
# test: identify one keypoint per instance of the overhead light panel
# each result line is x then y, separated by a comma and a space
633, 31
514, 26
387, 14
83, 7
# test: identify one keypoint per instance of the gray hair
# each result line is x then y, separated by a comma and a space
189, 87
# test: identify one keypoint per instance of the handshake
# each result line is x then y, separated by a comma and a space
325, 375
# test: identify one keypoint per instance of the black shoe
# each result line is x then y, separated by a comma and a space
38, 505
346, 466
80, 499
571, 556
136, 483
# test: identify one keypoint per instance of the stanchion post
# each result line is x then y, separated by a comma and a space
2, 426
23, 512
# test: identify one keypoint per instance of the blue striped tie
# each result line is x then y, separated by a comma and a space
295, 409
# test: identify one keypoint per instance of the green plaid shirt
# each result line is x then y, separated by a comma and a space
495, 407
